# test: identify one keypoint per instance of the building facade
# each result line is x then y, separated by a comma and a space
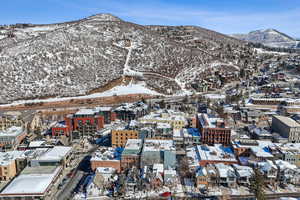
213, 130
120, 137
286, 127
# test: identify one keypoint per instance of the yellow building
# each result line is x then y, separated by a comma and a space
11, 163
120, 137
175, 119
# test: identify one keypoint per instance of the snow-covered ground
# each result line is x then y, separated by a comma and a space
262, 51
138, 88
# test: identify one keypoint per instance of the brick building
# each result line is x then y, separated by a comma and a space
105, 157
213, 130
119, 137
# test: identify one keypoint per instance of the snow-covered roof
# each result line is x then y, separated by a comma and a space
158, 167
225, 170
37, 143
210, 122
86, 112
163, 125
55, 154
285, 165
133, 144
266, 166
158, 145
104, 154
104, 109
33, 184
215, 153
215, 96
7, 157
287, 121
13, 131
261, 152
243, 171
105, 170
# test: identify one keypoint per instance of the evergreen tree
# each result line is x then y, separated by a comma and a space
257, 185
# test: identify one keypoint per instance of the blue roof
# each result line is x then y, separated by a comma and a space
62, 122
227, 149
266, 149
118, 153
243, 160
194, 132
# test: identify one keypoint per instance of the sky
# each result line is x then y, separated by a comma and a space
225, 16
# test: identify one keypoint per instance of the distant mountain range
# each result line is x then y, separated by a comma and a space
270, 37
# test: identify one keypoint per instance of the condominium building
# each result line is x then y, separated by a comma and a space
119, 137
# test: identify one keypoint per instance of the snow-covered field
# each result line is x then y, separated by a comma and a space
139, 88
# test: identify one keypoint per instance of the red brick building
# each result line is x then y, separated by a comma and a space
213, 130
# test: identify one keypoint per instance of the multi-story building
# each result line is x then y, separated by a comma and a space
177, 120
286, 127
213, 130
56, 156
106, 157
60, 129
33, 183
131, 154
108, 114
289, 152
12, 136
7, 121
11, 163
159, 151
215, 154
87, 121
119, 137
131, 111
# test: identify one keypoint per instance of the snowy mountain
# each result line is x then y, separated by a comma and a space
79, 57
269, 37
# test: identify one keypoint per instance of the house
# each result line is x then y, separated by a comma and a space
269, 170
287, 173
157, 180
202, 178
226, 175
259, 153
243, 174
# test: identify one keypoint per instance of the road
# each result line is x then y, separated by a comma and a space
81, 170
268, 196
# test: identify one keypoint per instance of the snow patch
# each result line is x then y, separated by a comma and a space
139, 88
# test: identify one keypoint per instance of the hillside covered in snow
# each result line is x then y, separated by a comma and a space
269, 37
74, 58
